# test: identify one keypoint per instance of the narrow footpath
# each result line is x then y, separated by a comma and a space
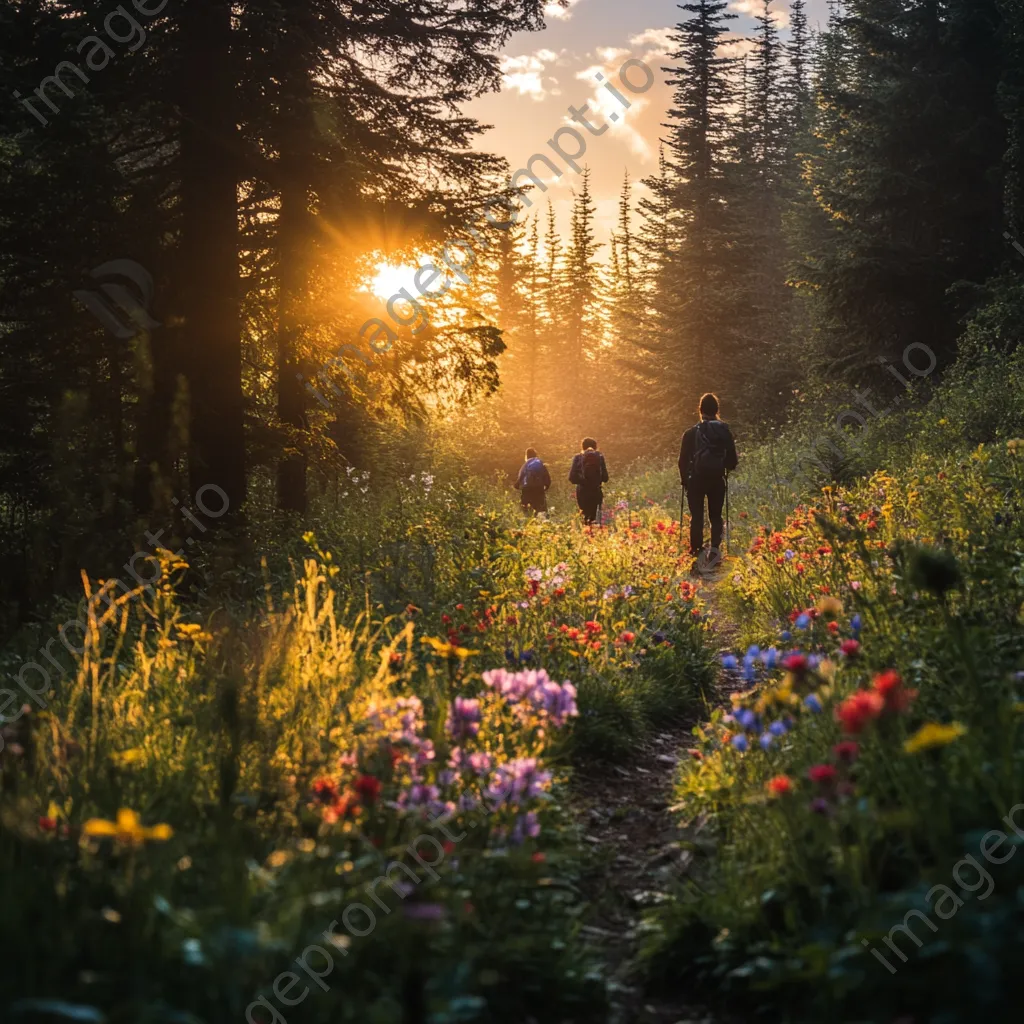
642, 850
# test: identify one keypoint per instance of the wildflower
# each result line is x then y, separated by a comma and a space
857, 710
851, 648
424, 911
802, 621
833, 628
846, 751
746, 718
789, 556
797, 664
593, 628
627, 637
822, 774
729, 661
932, 735
766, 740
463, 718
819, 805
889, 686
781, 785
368, 787
856, 624
778, 728
127, 829
770, 658
740, 743
813, 703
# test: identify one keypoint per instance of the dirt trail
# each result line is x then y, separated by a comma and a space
640, 853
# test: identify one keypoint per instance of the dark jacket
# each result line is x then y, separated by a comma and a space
521, 479
689, 448
576, 472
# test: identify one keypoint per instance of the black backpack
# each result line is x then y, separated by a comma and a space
590, 469
710, 450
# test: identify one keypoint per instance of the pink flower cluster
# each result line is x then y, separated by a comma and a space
534, 690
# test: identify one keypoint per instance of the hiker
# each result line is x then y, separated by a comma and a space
588, 473
533, 483
708, 453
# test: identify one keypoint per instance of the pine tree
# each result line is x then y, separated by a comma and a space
698, 144
583, 324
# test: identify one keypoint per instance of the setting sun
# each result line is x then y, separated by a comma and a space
390, 279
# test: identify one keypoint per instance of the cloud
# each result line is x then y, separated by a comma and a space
658, 40
736, 46
553, 10
754, 8
526, 74
602, 102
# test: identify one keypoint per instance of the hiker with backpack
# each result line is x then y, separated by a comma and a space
533, 483
588, 473
707, 456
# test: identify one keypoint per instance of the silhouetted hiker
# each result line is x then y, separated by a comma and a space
533, 483
588, 473
708, 453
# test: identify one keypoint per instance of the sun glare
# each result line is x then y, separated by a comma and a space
390, 279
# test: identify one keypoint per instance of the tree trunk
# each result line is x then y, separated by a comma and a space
209, 254
294, 245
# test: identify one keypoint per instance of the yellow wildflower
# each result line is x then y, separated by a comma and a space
127, 829
934, 734
446, 650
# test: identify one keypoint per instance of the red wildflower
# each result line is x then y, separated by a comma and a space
851, 648
559, 591
889, 686
573, 634
460, 607
822, 774
846, 751
627, 637
538, 857
781, 785
596, 645
833, 627
368, 788
48, 824
446, 619
396, 658
796, 663
593, 627
511, 620
448, 846
325, 790
857, 710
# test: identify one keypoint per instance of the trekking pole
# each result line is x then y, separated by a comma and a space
682, 504
727, 513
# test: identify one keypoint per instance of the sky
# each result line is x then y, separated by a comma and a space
547, 72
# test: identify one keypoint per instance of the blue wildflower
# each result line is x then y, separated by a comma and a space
778, 728
746, 718
748, 670
770, 658
510, 655
786, 635
658, 638
766, 740
856, 623
811, 701
729, 661
740, 743
803, 621
526, 657
790, 556
753, 651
